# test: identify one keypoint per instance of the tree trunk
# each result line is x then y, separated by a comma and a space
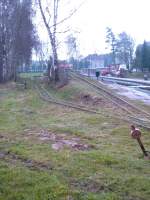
1, 69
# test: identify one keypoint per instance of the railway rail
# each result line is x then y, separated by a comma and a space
44, 94
129, 108
134, 115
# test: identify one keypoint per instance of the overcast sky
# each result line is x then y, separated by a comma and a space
91, 20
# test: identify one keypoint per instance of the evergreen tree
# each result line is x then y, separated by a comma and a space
142, 56
138, 57
145, 56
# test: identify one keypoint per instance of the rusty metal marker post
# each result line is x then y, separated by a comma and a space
136, 134
142, 147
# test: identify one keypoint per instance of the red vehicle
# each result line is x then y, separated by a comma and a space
105, 72
114, 70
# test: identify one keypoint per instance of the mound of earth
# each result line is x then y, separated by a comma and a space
88, 99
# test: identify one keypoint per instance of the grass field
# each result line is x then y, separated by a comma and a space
138, 75
49, 152
30, 74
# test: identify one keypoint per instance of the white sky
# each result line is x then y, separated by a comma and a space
91, 20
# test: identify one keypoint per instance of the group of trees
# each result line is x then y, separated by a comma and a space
121, 47
72, 47
73, 52
122, 50
17, 36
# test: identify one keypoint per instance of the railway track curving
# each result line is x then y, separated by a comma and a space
45, 95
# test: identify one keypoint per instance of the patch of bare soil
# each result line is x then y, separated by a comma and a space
60, 141
4, 138
1, 136
21, 98
88, 99
9, 85
5, 89
13, 158
90, 186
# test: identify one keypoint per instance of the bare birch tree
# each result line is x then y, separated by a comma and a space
50, 21
50, 11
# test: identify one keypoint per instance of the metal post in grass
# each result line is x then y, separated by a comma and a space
136, 134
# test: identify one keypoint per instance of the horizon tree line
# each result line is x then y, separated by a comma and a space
122, 48
18, 37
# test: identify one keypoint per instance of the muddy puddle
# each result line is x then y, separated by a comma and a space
132, 93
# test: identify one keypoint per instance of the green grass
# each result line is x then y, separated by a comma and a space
72, 91
138, 75
29, 75
113, 169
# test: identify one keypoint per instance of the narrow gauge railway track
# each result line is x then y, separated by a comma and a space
132, 110
44, 95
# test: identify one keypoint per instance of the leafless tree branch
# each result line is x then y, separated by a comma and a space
69, 16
